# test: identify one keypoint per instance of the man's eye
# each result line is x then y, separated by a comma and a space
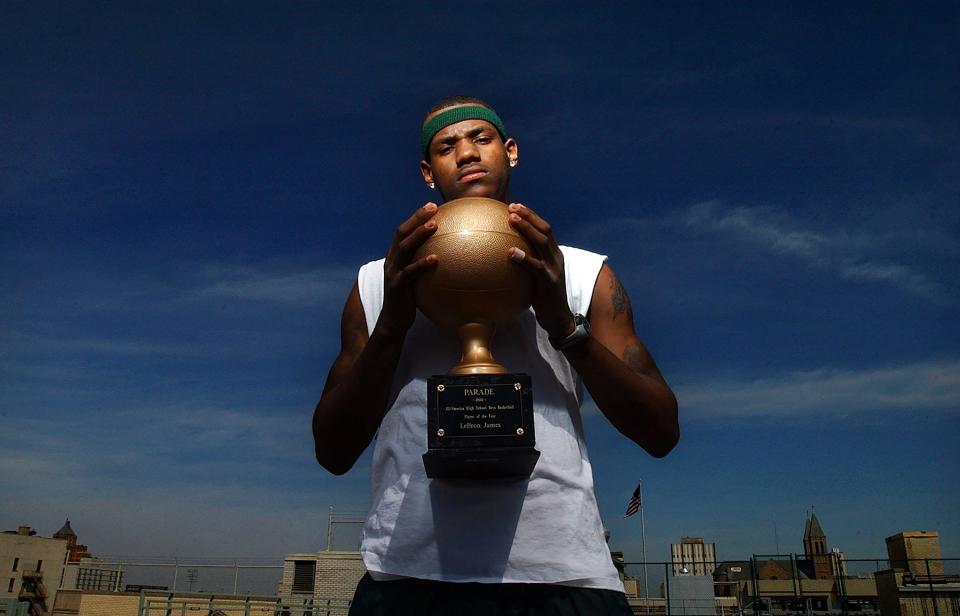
445, 149
484, 139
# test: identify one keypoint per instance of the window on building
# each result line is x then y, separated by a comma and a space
98, 579
16, 563
39, 565
10, 585
304, 572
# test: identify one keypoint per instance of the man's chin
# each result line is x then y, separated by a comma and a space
475, 189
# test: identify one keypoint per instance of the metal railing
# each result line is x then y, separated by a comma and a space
789, 584
208, 576
763, 585
14, 607
249, 606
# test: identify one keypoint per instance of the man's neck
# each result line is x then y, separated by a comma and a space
505, 198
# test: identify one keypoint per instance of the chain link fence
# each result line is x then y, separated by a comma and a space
763, 585
209, 576
794, 585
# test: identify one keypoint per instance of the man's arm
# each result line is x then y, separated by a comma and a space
620, 373
355, 395
358, 385
613, 363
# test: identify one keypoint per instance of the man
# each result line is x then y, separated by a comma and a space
537, 546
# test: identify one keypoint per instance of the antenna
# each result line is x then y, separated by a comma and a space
191, 578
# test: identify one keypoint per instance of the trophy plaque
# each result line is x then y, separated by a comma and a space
479, 415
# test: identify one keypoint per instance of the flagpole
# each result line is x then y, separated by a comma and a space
643, 549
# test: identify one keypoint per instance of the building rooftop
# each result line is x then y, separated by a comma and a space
913, 534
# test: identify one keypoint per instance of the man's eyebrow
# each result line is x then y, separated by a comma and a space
473, 132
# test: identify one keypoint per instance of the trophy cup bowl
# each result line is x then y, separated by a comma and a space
474, 285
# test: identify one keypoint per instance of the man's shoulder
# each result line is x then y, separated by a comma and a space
371, 267
378, 263
578, 261
579, 253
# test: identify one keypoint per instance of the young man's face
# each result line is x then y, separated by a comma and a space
468, 159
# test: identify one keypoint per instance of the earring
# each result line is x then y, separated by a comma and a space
513, 162
431, 185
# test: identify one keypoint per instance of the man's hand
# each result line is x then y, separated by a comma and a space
549, 283
400, 270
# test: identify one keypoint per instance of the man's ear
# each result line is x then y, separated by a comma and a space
426, 171
513, 151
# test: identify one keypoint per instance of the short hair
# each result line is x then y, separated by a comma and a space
457, 99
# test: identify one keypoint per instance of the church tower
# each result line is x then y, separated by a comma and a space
75, 550
815, 548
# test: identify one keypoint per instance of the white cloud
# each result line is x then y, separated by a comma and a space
71, 289
841, 253
897, 275
924, 386
316, 286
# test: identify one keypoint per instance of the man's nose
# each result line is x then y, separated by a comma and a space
467, 152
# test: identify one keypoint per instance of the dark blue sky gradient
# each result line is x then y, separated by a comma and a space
187, 190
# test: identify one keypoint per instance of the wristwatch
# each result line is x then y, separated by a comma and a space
579, 335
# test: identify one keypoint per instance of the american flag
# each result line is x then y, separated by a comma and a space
633, 505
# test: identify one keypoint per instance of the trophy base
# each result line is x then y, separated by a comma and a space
480, 426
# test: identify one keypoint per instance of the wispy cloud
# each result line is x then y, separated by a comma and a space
14, 463
925, 386
89, 346
66, 288
846, 255
314, 286
172, 446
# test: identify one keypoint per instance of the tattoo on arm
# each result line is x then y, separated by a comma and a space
621, 302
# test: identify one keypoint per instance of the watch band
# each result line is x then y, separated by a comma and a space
579, 335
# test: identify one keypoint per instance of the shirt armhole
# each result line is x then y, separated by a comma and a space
582, 268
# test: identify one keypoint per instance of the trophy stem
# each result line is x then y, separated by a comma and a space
476, 356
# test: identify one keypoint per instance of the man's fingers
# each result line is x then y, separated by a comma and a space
417, 219
410, 236
533, 235
532, 217
409, 245
411, 270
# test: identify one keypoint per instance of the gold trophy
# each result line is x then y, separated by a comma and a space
479, 415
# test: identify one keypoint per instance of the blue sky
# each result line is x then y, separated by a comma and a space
187, 190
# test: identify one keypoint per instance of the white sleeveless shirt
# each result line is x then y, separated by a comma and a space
546, 529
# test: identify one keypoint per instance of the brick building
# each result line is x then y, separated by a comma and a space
75, 551
694, 555
916, 584
815, 549
321, 576
914, 550
31, 567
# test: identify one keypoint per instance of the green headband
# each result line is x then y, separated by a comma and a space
458, 114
